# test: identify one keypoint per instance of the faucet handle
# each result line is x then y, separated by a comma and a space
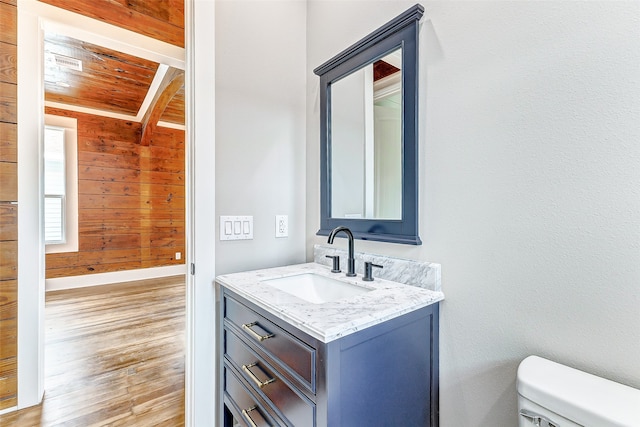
336, 263
368, 274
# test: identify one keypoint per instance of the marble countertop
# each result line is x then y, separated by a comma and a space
330, 320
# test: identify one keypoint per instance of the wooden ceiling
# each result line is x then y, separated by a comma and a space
113, 82
109, 80
159, 19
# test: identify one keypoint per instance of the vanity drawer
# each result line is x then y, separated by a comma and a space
243, 403
293, 354
298, 410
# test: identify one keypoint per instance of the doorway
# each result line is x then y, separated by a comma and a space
200, 201
31, 310
130, 198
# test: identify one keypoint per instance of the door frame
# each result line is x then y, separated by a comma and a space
33, 16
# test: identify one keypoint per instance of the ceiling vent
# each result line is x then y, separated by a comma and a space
67, 62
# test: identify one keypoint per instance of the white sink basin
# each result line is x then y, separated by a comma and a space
315, 288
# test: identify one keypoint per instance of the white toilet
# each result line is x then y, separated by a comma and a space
554, 395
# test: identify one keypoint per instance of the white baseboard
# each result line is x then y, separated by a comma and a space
115, 277
7, 410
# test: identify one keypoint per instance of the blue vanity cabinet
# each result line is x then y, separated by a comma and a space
273, 374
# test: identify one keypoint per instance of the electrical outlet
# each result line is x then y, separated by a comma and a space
282, 226
178, 255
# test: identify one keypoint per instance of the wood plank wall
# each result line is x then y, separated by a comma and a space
8, 205
161, 20
131, 201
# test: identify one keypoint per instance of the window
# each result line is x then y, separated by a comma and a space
60, 184
54, 185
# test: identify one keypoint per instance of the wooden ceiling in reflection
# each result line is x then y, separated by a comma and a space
112, 81
382, 69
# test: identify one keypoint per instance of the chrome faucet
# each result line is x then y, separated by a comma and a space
351, 262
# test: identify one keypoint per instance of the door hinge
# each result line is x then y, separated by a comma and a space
193, 269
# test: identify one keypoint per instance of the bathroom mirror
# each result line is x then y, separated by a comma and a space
366, 138
369, 134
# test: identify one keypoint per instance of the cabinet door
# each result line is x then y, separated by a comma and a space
385, 376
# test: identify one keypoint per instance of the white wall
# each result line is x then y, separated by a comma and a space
348, 134
529, 187
260, 129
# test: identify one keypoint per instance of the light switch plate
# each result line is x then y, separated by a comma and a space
236, 227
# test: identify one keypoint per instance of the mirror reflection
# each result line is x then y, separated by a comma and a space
366, 141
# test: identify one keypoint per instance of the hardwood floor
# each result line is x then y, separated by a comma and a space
114, 356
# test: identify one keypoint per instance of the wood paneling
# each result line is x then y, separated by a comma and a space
8, 385
101, 187
8, 211
8, 310
161, 20
8, 23
108, 160
8, 102
9, 260
110, 201
8, 344
131, 201
73, 260
9, 180
9, 335
8, 60
8, 142
115, 357
113, 174
8, 222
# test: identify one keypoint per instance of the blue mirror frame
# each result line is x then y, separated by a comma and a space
400, 32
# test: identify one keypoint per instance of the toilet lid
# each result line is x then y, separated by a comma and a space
576, 395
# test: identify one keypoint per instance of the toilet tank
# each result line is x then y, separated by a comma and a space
551, 394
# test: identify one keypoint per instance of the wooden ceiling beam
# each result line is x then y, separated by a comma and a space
171, 84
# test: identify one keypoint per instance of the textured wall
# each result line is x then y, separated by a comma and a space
260, 129
529, 186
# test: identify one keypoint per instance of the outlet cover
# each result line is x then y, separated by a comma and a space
282, 226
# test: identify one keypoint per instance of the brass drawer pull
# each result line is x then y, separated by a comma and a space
247, 327
256, 380
247, 415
